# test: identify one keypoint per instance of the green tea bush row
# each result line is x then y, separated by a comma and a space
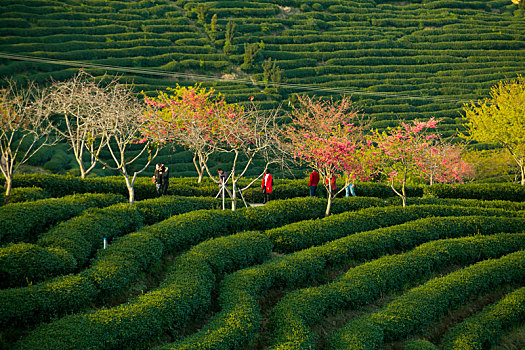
183, 295
25, 221
124, 52
297, 311
83, 45
507, 205
310, 233
117, 266
69, 245
509, 192
43, 31
60, 185
486, 327
24, 194
420, 306
240, 291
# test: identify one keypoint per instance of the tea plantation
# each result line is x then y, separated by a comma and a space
82, 269
179, 273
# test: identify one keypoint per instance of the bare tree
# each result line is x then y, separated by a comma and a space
79, 101
24, 128
249, 134
121, 124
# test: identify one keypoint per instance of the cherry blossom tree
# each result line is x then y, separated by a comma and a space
444, 162
79, 101
404, 150
206, 124
328, 136
24, 128
188, 116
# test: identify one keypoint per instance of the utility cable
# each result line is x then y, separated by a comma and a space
211, 78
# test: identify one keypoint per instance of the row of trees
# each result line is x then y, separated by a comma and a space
329, 136
90, 115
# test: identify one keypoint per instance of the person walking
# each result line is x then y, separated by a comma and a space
314, 181
350, 189
266, 186
165, 182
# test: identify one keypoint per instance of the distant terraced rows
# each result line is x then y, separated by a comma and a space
179, 274
399, 60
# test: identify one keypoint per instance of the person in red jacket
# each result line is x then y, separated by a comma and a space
266, 186
314, 181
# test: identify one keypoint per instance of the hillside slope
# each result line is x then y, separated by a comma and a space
398, 59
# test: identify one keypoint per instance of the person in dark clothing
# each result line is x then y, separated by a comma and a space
314, 181
157, 179
223, 176
165, 180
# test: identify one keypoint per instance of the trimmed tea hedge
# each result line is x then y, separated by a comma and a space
293, 315
485, 328
61, 185
116, 267
306, 234
25, 221
418, 307
67, 246
506, 191
185, 294
24, 194
240, 291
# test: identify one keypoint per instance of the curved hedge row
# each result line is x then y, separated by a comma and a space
25, 221
486, 327
24, 194
361, 285
240, 291
67, 246
418, 307
116, 267
507, 205
185, 294
306, 234
509, 192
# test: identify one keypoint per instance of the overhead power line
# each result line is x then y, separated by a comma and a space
203, 77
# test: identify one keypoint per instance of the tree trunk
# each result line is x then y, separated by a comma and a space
234, 195
200, 169
131, 189
522, 168
328, 206
404, 197
8, 187
82, 169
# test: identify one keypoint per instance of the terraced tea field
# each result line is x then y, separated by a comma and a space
397, 59
178, 273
